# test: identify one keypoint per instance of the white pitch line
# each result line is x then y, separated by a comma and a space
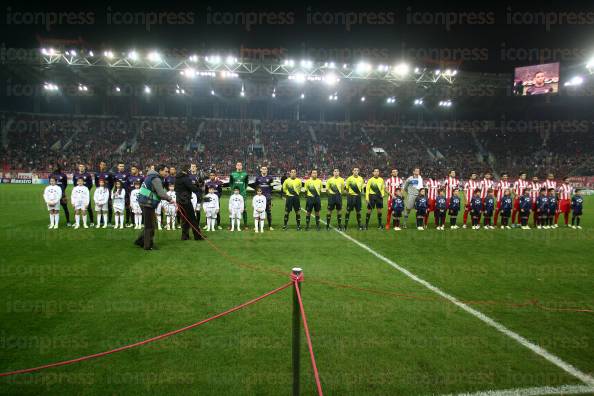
568, 368
539, 391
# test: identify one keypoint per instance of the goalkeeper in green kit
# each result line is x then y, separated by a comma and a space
239, 179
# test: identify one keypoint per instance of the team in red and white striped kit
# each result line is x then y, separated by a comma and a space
486, 186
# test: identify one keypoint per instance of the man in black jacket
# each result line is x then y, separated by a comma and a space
183, 194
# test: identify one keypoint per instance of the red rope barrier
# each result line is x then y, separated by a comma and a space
296, 280
137, 344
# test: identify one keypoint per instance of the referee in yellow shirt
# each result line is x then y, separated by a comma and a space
313, 189
334, 188
374, 194
354, 186
291, 189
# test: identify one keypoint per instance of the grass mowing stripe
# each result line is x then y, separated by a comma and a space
568, 368
539, 391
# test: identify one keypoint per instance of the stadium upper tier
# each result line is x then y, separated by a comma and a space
33, 142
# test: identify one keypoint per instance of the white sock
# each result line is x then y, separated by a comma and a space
122, 219
261, 225
172, 221
238, 224
232, 224
159, 220
117, 221
57, 219
51, 219
77, 220
104, 219
84, 217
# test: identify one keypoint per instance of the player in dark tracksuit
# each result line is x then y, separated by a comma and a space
476, 208
552, 209
542, 207
264, 182
525, 208
454, 207
421, 206
440, 209
489, 208
397, 208
505, 208
62, 181
87, 182
577, 203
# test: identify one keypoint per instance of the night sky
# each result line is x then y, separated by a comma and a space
479, 37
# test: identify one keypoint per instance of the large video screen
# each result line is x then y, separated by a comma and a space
536, 80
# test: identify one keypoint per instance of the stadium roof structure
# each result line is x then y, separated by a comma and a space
134, 66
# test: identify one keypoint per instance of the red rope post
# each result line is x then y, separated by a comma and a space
297, 274
297, 279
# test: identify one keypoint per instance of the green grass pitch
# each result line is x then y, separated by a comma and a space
67, 293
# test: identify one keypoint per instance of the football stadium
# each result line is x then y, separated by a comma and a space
382, 199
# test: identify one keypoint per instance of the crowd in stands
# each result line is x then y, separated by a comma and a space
32, 142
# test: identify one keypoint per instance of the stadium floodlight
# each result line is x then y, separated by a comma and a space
332, 97
82, 88
117, 89
330, 65
193, 58
590, 63
362, 98
108, 54
363, 67
391, 100
228, 74
230, 60
242, 93
212, 92
574, 81
418, 102
289, 63
91, 54
437, 72
71, 53
401, 69
417, 70
344, 66
302, 96
383, 68
133, 55
215, 59
147, 89
331, 79
307, 64
454, 72
154, 56
298, 78
188, 72
274, 93
50, 87
445, 103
